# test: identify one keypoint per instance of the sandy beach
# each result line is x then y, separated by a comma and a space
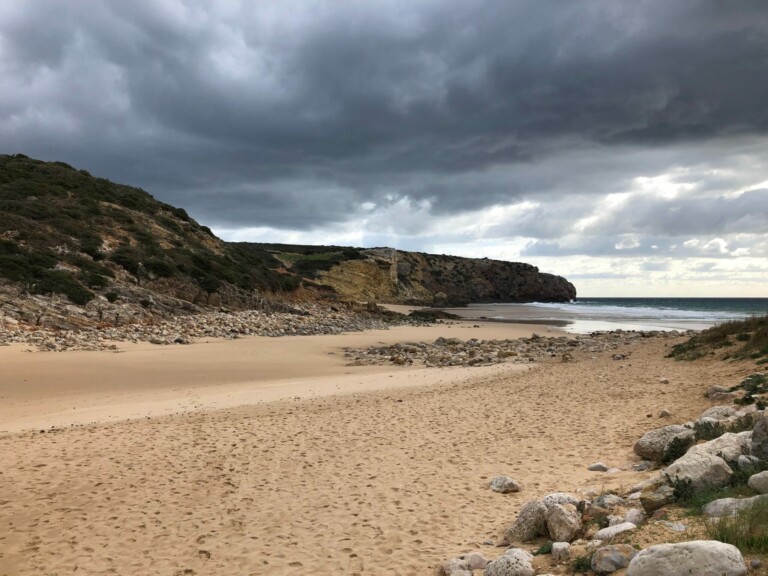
271, 456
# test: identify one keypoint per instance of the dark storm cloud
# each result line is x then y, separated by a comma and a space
294, 115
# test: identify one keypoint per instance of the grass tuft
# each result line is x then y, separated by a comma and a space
747, 530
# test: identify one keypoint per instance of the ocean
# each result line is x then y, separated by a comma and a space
587, 315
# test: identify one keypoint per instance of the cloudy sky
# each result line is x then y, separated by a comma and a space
623, 145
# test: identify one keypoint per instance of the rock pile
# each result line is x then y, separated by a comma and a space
300, 321
455, 352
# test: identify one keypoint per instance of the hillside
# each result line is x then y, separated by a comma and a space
80, 250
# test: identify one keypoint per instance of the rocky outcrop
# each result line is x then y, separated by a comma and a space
391, 276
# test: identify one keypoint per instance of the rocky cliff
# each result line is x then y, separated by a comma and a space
391, 276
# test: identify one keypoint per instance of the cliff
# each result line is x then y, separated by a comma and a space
392, 276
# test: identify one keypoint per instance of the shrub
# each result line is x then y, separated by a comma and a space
582, 564
111, 297
61, 282
675, 449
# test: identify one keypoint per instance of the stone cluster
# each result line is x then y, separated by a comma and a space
474, 352
303, 320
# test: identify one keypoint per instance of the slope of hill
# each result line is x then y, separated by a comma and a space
84, 249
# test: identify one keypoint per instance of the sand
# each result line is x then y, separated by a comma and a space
329, 469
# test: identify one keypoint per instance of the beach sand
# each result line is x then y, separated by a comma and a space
330, 469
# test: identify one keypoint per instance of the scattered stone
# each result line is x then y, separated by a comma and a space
663, 380
515, 562
597, 467
642, 466
613, 531
455, 567
755, 563
759, 482
613, 520
665, 413
653, 444
698, 557
504, 485
701, 469
475, 561
563, 522
531, 522
611, 558
561, 551
745, 461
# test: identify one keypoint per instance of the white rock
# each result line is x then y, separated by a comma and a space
559, 498
597, 467
613, 531
504, 485
745, 461
561, 551
515, 562
719, 412
653, 444
695, 558
635, 516
729, 446
730, 506
563, 522
701, 469
759, 482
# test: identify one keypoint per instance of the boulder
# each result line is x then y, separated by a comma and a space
729, 446
715, 390
760, 438
563, 522
504, 485
731, 506
611, 558
515, 562
695, 558
702, 470
531, 522
759, 482
455, 567
613, 531
654, 443
719, 412
561, 551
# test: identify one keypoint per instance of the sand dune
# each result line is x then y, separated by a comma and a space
380, 482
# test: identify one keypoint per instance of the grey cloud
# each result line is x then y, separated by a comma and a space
292, 117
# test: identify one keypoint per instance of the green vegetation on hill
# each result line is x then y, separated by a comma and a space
64, 231
740, 338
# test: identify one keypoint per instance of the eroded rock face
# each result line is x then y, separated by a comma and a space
695, 558
654, 443
531, 522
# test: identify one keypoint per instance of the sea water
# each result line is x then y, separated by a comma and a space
592, 314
